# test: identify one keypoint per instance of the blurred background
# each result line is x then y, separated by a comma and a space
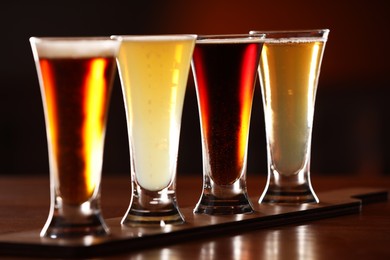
351, 122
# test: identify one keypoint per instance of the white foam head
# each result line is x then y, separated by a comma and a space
293, 40
155, 38
74, 47
295, 36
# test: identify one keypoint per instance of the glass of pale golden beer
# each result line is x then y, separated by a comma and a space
289, 70
225, 68
154, 71
76, 76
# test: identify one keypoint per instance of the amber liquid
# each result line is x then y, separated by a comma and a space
289, 73
225, 77
76, 93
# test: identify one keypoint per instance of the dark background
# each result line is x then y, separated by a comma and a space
351, 122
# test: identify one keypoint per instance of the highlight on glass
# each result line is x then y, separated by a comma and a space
289, 70
154, 71
224, 69
76, 76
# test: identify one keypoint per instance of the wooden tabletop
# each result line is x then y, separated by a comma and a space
24, 205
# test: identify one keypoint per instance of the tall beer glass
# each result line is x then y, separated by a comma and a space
224, 69
154, 72
289, 70
76, 76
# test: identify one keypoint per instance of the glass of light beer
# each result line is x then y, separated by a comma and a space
154, 71
289, 70
76, 76
225, 69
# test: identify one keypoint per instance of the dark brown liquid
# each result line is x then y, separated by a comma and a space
225, 78
76, 94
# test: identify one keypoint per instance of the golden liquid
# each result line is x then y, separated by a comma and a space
154, 77
289, 74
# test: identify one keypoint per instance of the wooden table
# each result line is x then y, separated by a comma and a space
24, 205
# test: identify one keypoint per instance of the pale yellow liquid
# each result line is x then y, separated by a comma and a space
289, 74
154, 77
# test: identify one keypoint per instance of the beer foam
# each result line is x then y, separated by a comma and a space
293, 37
294, 40
229, 39
143, 38
74, 47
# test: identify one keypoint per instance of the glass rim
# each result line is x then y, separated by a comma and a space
156, 37
287, 34
73, 47
230, 38
69, 38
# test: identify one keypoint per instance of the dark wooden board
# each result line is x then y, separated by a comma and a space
332, 204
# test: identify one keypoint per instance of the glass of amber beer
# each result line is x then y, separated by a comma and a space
225, 69
289, 70
76, 76
154, 71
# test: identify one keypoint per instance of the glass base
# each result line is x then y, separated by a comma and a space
288, 197
212, 205
294, 189
136, 217
153, 208
74, 221
223, 199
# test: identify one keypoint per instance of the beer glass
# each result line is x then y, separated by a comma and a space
289, 70
154, 71
75, 76
225, 69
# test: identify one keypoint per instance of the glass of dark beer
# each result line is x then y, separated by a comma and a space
289, 70
224, 68
76, 76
